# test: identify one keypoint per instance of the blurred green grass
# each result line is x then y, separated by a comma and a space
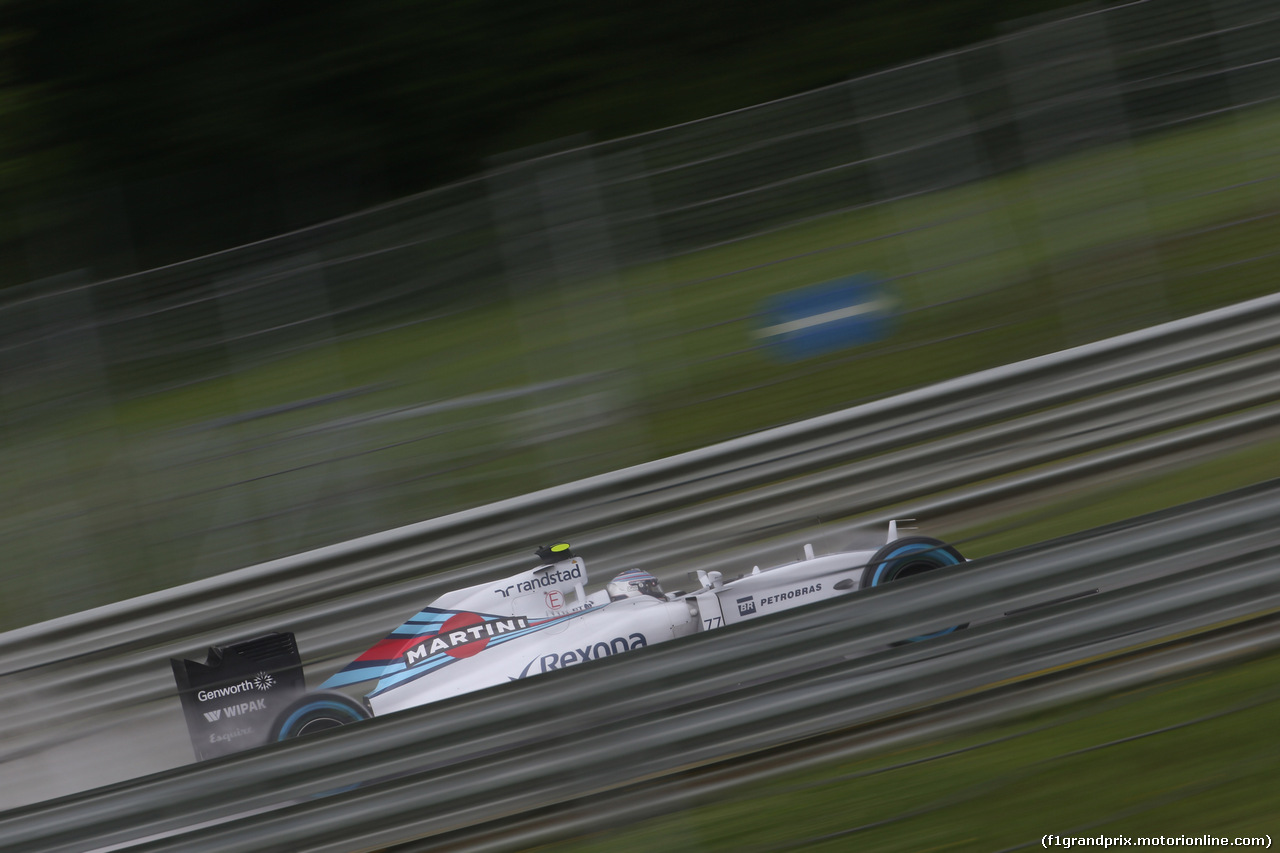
1084, 507
990, 272
1103, 766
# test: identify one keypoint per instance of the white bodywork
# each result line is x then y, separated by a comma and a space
542, 620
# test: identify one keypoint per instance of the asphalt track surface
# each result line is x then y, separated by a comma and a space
485, 771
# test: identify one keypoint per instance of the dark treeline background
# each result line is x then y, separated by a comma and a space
201, 126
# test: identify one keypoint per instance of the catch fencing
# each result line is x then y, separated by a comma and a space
583, 309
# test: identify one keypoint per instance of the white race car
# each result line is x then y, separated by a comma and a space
542, 620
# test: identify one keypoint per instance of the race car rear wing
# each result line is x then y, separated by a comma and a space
231, 699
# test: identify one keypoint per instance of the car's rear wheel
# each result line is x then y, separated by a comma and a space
317, 712
908, 557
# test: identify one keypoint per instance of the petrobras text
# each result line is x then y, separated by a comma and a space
812, 589
586, 652
551, 577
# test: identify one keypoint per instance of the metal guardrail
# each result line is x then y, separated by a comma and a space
745, 778
779, 680
1081, 410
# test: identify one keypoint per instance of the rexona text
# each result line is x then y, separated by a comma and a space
480, 632
541, 579
589, 651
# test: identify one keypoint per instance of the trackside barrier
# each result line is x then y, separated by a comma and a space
774, 681
1132, 398
499, 528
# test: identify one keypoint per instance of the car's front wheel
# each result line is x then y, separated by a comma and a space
317, 712
908, 557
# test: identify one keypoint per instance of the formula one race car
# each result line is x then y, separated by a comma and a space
537, 621
542, 620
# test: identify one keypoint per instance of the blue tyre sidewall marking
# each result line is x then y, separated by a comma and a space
911, 549
943, 555
314, 706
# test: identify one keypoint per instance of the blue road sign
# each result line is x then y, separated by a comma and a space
827, 317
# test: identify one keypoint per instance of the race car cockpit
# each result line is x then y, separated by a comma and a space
633, 583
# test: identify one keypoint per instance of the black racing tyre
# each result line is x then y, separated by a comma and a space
316, 712
907, 557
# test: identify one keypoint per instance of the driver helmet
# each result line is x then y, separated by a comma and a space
633, 583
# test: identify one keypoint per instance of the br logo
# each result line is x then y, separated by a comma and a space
746, 606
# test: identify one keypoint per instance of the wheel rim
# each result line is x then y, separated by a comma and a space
319, 724
924, 559
316, 716
913, 567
